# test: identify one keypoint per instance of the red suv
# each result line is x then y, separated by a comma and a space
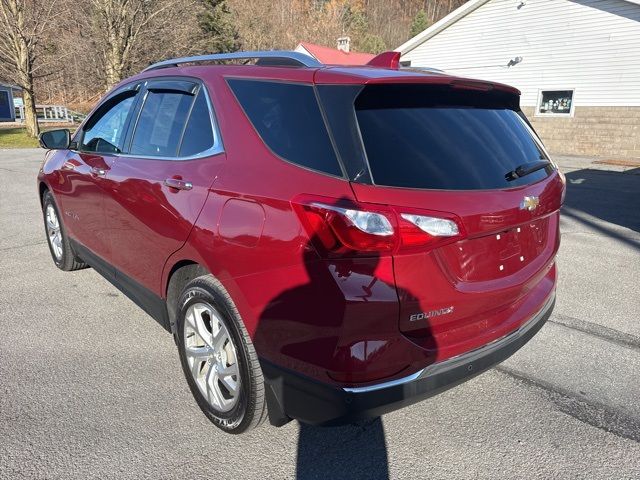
325, 243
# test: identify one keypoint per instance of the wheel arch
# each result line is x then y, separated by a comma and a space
181, 273
192, 261
42, 187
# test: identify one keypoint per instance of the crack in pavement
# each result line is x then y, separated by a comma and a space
596, 330
16, 247
9, 170
595, 414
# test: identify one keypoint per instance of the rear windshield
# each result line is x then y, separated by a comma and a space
435, 137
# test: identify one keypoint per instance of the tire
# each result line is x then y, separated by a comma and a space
59, 246
215, 365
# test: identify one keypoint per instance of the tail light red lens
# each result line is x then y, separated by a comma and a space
344, 228
429, 229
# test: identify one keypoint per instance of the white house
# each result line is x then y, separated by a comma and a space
7, 110
577, 63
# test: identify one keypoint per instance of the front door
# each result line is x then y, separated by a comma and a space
84, 175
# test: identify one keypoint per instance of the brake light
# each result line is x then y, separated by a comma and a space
471, 85
345, 228
338, 230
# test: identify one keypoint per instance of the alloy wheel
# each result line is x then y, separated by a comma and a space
211, 356
53, 231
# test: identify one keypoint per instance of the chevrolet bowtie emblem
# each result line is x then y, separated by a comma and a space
529, 203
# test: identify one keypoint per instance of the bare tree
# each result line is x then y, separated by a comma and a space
371, 24
119, 27
112, 39
23, 28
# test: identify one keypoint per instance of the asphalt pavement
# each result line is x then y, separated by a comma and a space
91, 387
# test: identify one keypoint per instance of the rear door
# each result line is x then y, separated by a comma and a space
159, 186
452, 153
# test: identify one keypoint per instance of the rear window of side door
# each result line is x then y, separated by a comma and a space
172, 153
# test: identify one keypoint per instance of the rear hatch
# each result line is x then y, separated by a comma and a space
460, 162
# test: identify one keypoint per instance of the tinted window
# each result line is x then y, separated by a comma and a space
421, 137
161, 123
5, 109
288, 119
198, 136
104, 131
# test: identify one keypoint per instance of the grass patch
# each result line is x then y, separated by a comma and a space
16, 138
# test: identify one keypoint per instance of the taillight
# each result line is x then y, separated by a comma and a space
345, 228
436, 227
339, 230
428, 229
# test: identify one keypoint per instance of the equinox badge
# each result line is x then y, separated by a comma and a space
433, 313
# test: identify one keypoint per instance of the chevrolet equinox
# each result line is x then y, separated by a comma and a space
325, 243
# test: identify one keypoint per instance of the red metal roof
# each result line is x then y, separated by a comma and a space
333, 56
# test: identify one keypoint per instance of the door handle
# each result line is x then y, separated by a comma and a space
178, 184
98, 172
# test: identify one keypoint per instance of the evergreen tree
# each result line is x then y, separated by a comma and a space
219, 34
359, 31
420, 23
372, 44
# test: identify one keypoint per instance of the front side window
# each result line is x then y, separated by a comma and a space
288, 119
161, 123
104, 131
555, 102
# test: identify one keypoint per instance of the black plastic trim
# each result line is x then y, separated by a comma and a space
291, 395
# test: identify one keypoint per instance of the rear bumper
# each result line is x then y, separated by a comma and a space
294, 396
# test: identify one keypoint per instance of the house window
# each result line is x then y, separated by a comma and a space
5, 108
555, 102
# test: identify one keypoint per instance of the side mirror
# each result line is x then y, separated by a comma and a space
59, 139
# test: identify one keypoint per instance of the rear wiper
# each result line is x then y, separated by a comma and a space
526, 169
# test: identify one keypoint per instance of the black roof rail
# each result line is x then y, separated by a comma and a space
271, 57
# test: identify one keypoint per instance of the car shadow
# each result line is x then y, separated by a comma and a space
346, 452
613, 197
